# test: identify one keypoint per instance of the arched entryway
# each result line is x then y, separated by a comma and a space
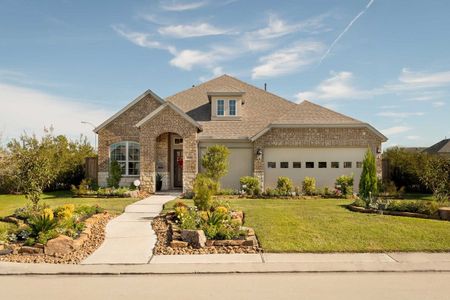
169, 162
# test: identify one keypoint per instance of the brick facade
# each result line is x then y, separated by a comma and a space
167, 121
315, 137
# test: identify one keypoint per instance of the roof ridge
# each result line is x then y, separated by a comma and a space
195, 86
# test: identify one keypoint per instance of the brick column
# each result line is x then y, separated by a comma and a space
148, 173
190, 161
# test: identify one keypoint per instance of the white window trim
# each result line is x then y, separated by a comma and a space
127, 157
235, 108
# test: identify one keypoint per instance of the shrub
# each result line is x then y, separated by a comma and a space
368, 185
228, 192
284, 185
204, 188
309, 186
41, 223
65, 212
189, 219
359, 202
436, 176
45, 236
250, 185
215, 161
414, 206
115, 174
344, 184
272, 192
87, 211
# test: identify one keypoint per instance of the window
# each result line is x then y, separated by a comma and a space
309, 164
178, 141
334, 164
220, 107
359, 164
284, 165
347, 164
271, 165
232, 107
322, 164
296, 164
127, 154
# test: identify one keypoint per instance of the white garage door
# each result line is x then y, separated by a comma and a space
325, 164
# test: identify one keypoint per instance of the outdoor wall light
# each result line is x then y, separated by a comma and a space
378, 150
259, 154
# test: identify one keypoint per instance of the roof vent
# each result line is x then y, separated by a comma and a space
265, 86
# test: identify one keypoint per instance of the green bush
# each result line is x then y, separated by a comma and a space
250, 185
227, 192
309, 186
284, 185
344, 184
204, 188
414, 206
115, 174
368, 183
41, 223
272, 192
359, 202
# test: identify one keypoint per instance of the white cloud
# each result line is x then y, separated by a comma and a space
412, 137
337, 86
347, 28
186, 31
288, 60
395, 130
188, 59
422, 79
30, 110
438, 104
142, 39
182, 6
392, 114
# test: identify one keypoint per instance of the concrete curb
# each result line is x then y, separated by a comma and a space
247, 263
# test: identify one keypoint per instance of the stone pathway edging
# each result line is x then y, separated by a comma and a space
129, 238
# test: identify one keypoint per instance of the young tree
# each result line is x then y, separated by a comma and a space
215, 162
115, 174
368, 182
32, 168
435, 175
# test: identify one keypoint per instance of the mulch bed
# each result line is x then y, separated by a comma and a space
162, 247
96, 238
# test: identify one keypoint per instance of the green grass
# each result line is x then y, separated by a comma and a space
325, 225
8, 203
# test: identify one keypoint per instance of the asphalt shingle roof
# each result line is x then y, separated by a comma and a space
440, 147
260, 109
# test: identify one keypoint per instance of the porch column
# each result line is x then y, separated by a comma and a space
148, 151
258, 163
190, 161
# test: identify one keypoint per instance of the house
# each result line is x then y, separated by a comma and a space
441, 148
268, 137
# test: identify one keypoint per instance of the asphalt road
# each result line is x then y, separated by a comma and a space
230, 286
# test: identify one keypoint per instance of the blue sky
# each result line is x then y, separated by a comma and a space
383, 62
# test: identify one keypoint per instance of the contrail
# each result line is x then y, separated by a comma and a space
345, 30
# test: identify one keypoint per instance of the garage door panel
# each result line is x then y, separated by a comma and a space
325, 177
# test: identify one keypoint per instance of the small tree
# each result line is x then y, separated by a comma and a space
309, 186
32, 169
215, 162
368, 184
115, 174
435, 175
204, 188
284, 185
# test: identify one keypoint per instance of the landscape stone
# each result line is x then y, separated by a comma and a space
196, 238
31, 250
59, 246
178, 244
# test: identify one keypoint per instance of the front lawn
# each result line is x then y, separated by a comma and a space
325, 225
8, 203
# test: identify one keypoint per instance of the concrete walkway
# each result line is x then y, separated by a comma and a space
129, 237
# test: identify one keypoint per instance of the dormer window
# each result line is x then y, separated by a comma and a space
220, 107
232, 107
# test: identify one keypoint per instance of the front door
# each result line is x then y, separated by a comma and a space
177, 168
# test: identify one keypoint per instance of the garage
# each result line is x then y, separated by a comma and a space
325, 164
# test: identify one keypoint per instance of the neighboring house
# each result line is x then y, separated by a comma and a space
441, 148
268, 137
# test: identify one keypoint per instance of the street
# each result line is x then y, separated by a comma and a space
231, 286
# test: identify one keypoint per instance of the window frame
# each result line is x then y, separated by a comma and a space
127, 160
271, 165
359, 164
321, 166
284, 165
348, 165
218, 107
298, 163
336, 166
235, 107
310, 167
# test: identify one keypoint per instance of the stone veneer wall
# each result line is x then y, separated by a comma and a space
122, 129
315, 137
167, 121
163, 159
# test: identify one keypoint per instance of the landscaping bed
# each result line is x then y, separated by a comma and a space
67, 234
172, 239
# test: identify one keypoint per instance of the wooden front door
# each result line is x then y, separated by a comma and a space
178, 168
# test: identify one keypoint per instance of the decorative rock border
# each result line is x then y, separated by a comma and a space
396, 213
63, 249
172, 240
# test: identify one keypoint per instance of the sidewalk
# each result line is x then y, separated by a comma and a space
251, 263
129, 238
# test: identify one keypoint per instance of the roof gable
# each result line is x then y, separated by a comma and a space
440, 147
131, 104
